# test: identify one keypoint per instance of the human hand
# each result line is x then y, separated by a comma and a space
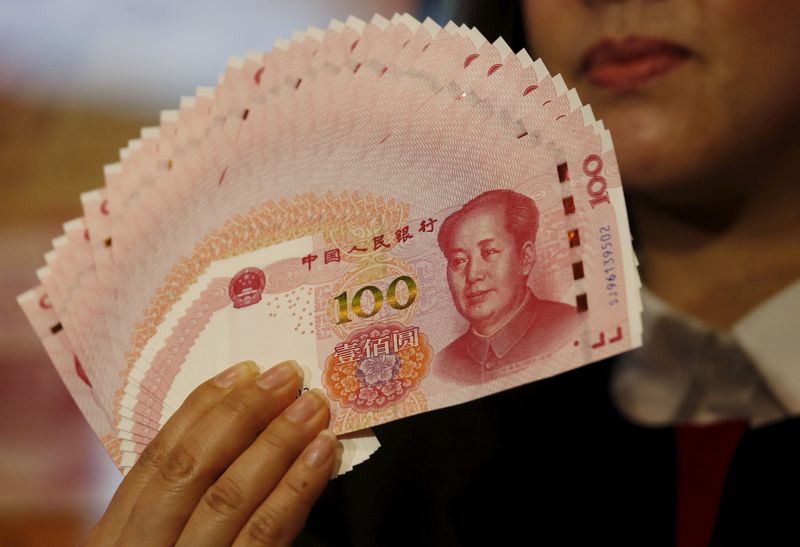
241, 462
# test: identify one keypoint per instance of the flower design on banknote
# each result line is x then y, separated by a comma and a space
377, 367
390, 388
368, 395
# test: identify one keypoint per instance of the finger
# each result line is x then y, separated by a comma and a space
228, 503
204, 452
196, 405
281, 517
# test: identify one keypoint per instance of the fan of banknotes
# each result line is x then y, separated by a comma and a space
416, 215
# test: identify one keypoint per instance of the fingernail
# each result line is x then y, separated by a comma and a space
320, 449
305, 407
279, 375
232, 376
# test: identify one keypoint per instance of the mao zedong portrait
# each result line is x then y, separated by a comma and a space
489, 245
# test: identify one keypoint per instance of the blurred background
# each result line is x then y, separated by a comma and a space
78, 78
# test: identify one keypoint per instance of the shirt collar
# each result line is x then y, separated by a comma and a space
770, 336
507, 337
689, 372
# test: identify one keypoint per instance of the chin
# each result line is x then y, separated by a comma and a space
658, 151
477, 316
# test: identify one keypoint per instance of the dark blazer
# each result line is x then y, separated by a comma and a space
551, 464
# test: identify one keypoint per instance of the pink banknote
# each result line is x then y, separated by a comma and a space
417, 215
404, 313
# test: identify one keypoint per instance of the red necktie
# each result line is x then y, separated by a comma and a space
704, 455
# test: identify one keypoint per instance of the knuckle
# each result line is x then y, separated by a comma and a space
276, 443
265, 527
152, 455
237, 405
298, 486
201, 397
224, 496
179, 466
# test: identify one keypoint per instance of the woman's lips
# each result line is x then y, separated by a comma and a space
629, 63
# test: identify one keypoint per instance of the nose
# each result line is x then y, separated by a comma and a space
475, 271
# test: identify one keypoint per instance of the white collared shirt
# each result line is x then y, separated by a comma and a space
687, 372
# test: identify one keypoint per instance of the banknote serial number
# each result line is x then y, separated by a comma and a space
345, 305
609, 265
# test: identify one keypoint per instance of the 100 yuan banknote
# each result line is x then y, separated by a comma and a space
393, 311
